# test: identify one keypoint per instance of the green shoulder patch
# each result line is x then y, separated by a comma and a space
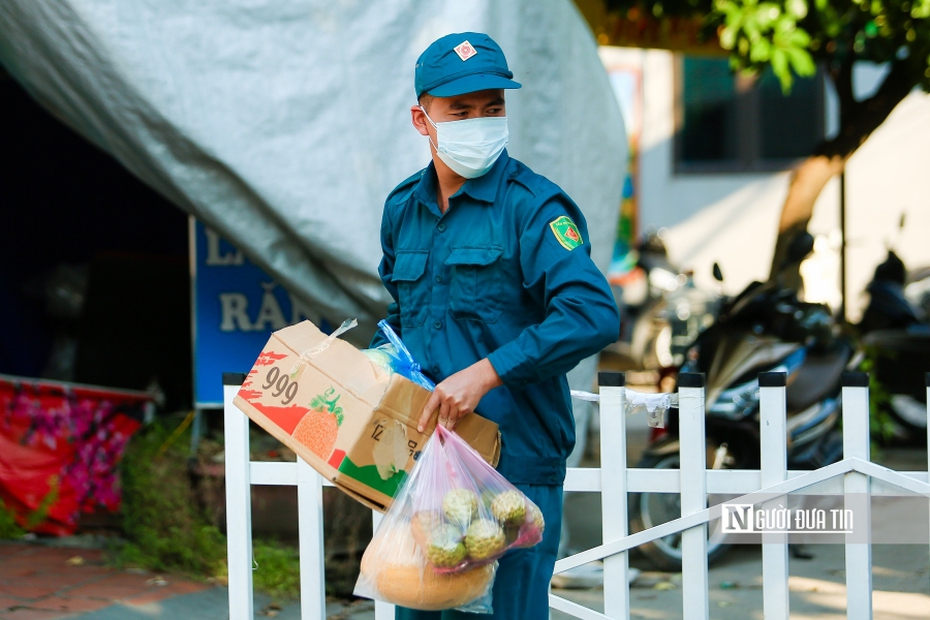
566, 232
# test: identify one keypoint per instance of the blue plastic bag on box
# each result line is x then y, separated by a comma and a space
393, 357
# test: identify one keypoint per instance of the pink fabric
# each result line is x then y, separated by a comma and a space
63, 442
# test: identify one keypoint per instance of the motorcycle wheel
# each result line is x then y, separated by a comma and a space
909, 411
651, 509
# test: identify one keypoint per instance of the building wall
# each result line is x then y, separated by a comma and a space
732, 218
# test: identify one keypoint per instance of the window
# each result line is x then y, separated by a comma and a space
729, 123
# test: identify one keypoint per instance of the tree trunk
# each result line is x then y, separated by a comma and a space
807, 181
857, 122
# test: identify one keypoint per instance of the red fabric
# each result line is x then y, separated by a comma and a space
62, 442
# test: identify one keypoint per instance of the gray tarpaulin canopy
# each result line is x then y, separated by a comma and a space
283, 124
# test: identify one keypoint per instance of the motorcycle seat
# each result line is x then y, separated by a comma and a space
818, 375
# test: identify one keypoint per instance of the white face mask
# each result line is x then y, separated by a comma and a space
470, 147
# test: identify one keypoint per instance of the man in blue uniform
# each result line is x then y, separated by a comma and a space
495, 293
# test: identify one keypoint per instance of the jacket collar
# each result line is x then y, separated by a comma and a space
483, 188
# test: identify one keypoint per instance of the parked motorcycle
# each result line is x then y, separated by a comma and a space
668, 313
765, 328
897, 338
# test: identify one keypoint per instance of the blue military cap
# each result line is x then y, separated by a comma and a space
462, 63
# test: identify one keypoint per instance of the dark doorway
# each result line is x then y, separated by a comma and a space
94, 284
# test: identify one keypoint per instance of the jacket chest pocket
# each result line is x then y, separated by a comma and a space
412, 289
476, 288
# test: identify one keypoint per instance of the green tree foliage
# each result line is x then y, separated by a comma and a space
792, 36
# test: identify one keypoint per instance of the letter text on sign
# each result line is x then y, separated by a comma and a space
270, 315
214, 256
234, 312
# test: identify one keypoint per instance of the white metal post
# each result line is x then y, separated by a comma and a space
614, 492
238, 502
856, 485
693, 471
773, 412
383, 611
310, 532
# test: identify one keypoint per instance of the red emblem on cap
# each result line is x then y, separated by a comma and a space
465, 50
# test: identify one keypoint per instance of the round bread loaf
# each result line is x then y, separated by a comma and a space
398, 569
419, 587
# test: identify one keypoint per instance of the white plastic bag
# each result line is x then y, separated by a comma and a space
438, 545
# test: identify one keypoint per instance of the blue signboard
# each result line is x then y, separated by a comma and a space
236, 306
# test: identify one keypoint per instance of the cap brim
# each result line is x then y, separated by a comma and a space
473, 83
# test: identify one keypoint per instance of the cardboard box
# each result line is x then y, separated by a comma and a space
354, 423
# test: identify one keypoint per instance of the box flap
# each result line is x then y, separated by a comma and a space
361, 499
405, 400
300, 336
338, 360
482, 435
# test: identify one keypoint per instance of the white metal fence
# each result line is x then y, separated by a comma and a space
613, 480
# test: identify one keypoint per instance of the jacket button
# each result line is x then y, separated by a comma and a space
436, 369
438, 324
439, 278
441, 228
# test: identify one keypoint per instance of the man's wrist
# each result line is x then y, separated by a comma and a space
489, 375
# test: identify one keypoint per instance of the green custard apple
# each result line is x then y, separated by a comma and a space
509, 508
460, 506
380, 359
484, 539
445, 548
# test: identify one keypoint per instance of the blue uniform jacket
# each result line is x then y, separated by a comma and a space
500, 275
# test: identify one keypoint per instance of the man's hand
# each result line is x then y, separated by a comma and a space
459, 394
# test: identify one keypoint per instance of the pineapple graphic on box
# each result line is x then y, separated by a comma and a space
318, 428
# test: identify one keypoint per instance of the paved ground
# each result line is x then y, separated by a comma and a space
901, 587
38, 582
43, 582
